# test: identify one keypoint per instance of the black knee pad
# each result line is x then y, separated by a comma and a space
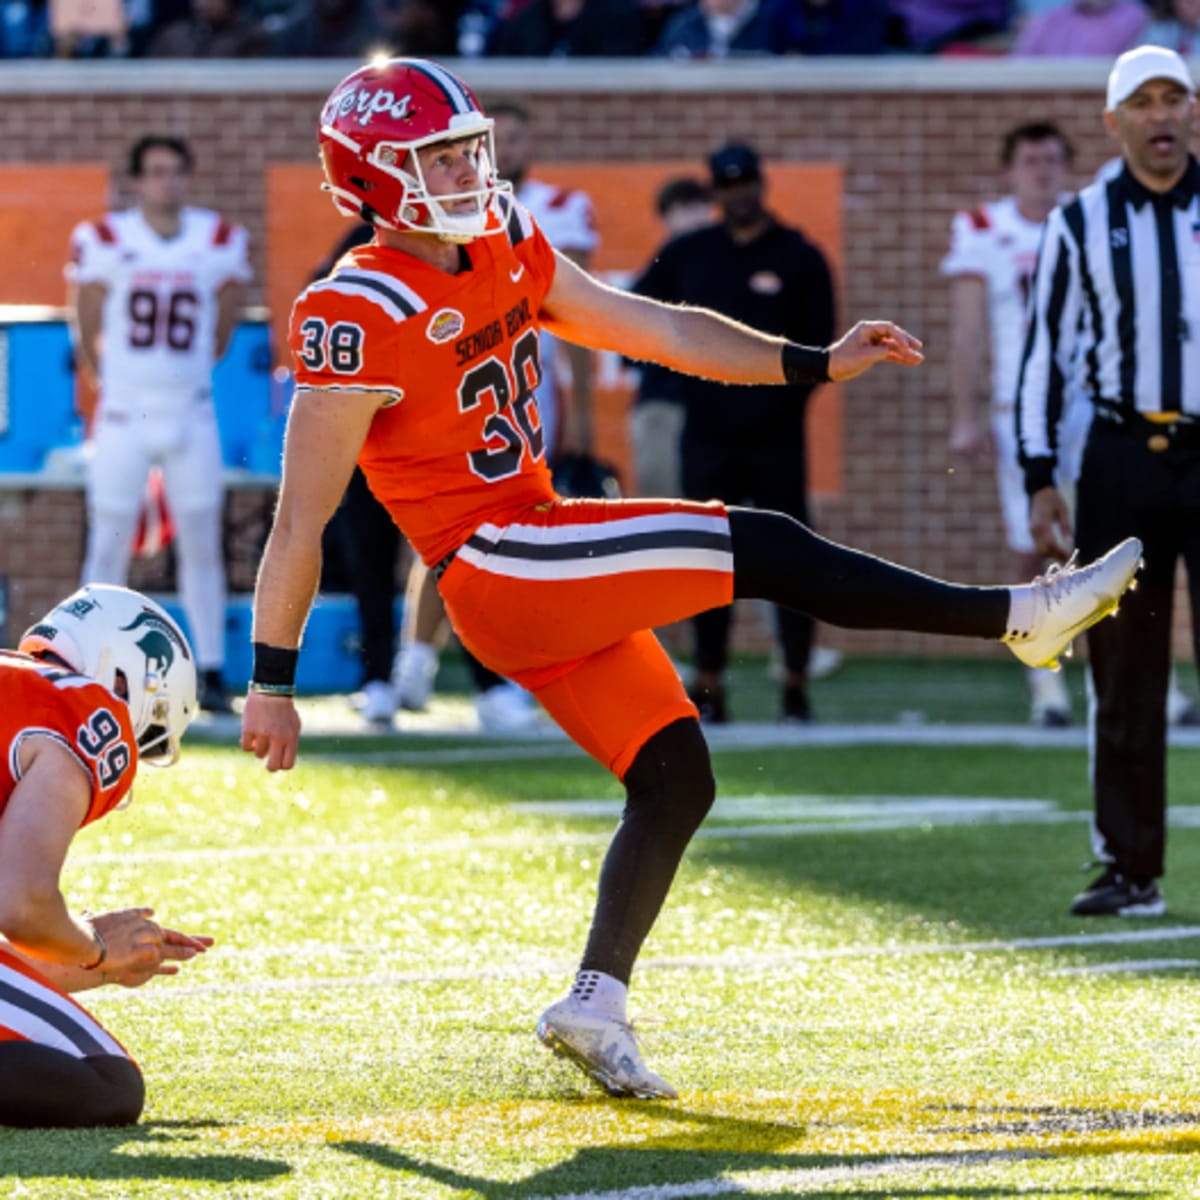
124, 1092
672, 776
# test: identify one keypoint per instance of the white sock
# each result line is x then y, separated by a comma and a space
1022, 610
600, 994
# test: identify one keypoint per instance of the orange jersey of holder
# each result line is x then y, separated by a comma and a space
41, 700
459, 439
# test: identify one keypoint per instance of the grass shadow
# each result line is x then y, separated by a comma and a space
104, 1154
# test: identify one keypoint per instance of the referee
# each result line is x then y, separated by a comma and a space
1116, 310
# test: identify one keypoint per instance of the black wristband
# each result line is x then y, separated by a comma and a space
804, 364
274, 666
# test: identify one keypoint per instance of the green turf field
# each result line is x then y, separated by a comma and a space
865, 983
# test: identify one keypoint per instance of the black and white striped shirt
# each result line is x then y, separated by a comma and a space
1115, 311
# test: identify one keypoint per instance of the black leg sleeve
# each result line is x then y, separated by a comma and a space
669, 790
711, 632
41, 1087
777, 558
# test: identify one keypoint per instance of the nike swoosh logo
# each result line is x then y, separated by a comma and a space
515, 276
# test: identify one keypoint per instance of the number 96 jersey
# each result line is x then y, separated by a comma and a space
42, 700
458, 438
160, 312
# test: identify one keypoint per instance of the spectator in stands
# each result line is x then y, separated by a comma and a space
830, 26
721, 29
929, 26
215, 29
571, 29
24, 29
428, 28
331, 29
1175, 25
89, 30
1084, 27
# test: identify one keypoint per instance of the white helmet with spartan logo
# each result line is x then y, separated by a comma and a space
104, 631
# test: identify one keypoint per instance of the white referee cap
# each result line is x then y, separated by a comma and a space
1139, 66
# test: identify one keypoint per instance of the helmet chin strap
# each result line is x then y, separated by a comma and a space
440, 224
104, 669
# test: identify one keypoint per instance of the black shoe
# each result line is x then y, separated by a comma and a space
1115, 895
710, 702
213, 696
796, 708
1051, 718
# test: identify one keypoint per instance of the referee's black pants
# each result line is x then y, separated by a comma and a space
1129, 488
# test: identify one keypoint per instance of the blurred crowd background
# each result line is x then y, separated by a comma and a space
678, 29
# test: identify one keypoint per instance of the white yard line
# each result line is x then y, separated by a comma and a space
549, 743
540, 968
872, 813
801, 1180
1131, 965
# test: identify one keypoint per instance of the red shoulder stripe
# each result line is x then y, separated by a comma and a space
560, 197
223, 234
104, 231
979, 218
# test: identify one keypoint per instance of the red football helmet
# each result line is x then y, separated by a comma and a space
371, 127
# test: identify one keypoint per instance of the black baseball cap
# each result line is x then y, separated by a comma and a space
734, 163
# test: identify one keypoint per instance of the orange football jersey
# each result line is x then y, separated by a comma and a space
460, 438
86, 719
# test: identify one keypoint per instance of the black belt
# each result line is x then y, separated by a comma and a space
1158, 436
440, 567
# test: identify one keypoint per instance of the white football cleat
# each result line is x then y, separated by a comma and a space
504, 709
1050, 702
824, 661
1067, 600
378, 702
602, 1047
413, 675
1181, 708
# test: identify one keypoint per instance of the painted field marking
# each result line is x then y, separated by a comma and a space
549, 743
1131, 965
802, 805
799, 1181
541, 968
863, 814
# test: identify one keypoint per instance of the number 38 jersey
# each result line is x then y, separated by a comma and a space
38, 699
455, 358
160, 311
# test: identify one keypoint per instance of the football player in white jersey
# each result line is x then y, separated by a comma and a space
565, 217
993, 252
155, 295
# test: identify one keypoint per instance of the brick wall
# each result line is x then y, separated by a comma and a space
917, 141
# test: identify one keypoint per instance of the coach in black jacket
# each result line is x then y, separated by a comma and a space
746, 444
1116, 311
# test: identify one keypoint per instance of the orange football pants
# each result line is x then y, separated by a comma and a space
562, 599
